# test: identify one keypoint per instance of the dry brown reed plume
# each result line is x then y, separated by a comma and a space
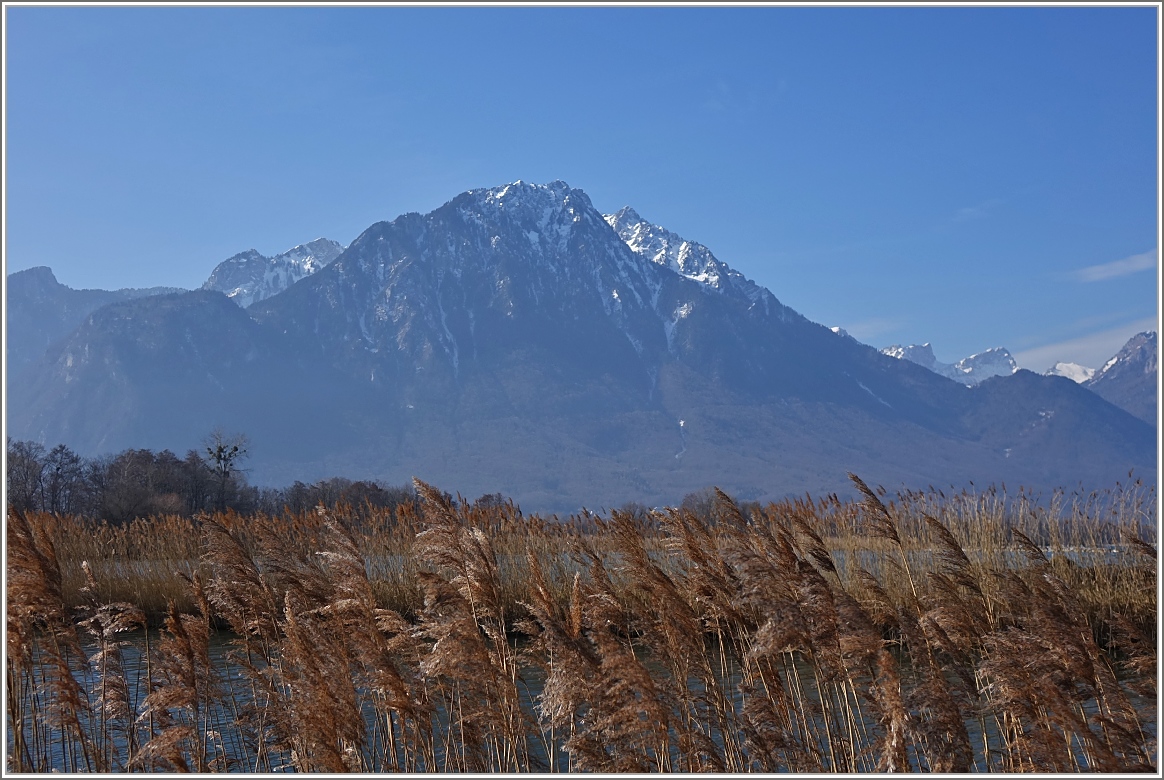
473, 658
114, 703
47, 705
927, 633
598, 696
314, 652
183, 689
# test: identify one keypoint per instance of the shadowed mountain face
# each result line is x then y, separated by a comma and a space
41, 311
515, 340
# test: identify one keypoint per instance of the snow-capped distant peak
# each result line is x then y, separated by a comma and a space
249, 276
310, 257
923, 355
1073, 371
1140, 350
1129, 379
996, 361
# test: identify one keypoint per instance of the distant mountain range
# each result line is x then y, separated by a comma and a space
41, 311
1128, 380
516, 340
969, 371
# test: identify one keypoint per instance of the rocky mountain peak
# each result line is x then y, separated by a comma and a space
922, 354
662, 247
691, 260
1128, 380
520, 200
250, 276
39, 275
246, 256
1073, 371
1138, 355
969, 371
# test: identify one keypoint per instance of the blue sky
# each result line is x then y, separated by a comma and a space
972, 177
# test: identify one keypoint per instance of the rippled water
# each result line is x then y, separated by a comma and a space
229, 745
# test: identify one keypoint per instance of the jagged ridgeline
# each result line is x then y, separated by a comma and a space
518, 341
931, 632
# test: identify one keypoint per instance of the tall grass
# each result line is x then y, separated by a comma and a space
971, 632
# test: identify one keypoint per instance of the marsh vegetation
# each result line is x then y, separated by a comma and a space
931, 632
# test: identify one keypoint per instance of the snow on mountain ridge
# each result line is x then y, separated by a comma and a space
312, 256
689, 259
922, 354
996, 361
1140, 347
548, 211
971, 370
250, 276
548, 214
1073, 371
431, 282
1128, 380
435, 284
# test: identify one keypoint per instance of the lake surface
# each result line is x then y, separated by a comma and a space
235, 751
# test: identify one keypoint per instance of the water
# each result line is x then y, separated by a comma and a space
227, 747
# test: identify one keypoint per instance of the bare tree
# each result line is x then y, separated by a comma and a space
26, 466
64, 481
224, 453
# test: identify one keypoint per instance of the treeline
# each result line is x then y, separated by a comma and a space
143, 483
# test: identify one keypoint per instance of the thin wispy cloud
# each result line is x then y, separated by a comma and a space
976, 212
728, 96
1117, 268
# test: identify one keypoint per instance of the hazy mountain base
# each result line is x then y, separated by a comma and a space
555, 438
758, 451
554, 443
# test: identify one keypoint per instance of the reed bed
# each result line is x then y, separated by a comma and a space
971, 632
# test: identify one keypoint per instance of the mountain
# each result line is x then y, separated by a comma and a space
516, 340
40, 311
1128, 380
968, 371
249, 276
687, 258
1073, 371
